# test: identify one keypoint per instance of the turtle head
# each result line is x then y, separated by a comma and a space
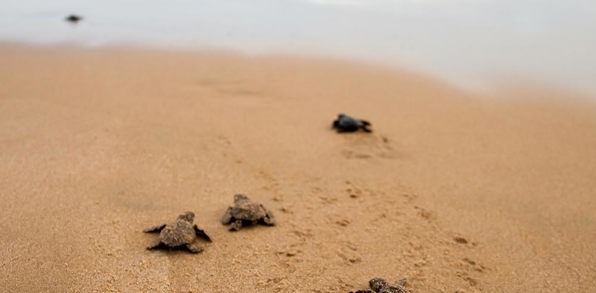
188, 216
377, 284
240, 198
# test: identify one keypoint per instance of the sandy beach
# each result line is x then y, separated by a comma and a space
458, 192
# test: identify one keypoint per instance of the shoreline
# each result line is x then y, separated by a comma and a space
493, 85
453, 189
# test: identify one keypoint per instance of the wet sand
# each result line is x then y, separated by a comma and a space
453, 190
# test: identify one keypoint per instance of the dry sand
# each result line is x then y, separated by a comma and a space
96, 145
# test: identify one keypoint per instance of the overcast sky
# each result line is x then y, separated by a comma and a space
462, 40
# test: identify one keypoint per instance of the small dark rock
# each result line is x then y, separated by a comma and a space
460, 240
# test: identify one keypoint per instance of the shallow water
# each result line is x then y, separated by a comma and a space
468, 42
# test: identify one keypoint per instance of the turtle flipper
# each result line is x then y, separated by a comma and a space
400, 285
154, 229
402, 282
227, 217
365, 126
155, 245
235, 226
194, 248
269, 219
201, 233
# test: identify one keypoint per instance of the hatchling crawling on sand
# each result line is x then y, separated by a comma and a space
379, 285
345, 123
179, 234
246, 212
73, 18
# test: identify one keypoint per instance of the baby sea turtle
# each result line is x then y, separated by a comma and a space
345, 123
73, 18
245, 212
379, 285
179, 234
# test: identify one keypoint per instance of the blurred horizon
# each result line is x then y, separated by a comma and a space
466, 42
